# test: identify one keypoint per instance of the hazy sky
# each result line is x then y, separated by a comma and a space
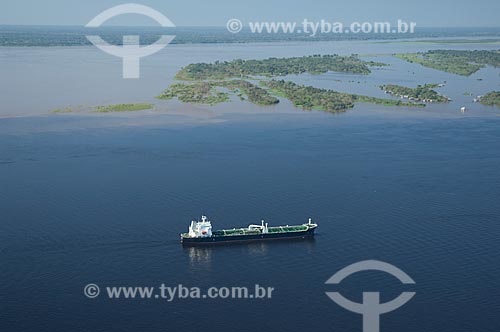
434, 13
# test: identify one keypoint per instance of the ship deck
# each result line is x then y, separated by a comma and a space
270, 230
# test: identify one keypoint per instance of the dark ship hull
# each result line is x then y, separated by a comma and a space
241, 235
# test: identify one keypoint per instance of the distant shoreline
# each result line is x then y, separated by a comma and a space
52, 36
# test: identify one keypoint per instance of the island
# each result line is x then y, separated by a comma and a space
308, 97
458, 62
272, 67
207, 92
105, 108
62, 110
254, 93
252, 80
305, 97
422, 93
198, 93
491, 99
124, 107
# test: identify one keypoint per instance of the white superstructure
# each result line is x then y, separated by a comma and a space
201, 228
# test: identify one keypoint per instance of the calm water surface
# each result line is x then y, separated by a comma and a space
102, 199
36, 80
107, 205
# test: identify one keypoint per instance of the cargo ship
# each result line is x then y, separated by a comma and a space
201, 233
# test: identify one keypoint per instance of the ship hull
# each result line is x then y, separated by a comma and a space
247, 238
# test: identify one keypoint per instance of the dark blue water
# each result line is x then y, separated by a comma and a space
107, 205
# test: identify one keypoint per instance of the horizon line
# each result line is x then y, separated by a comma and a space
213, 26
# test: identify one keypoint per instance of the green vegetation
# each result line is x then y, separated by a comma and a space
491, 98
255, 94
105, 109
307, 97
62, 110
205, 82
420, 93
315, 64
385, 102
199, 93
457, 62
207, 93
124, 107
47, 36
